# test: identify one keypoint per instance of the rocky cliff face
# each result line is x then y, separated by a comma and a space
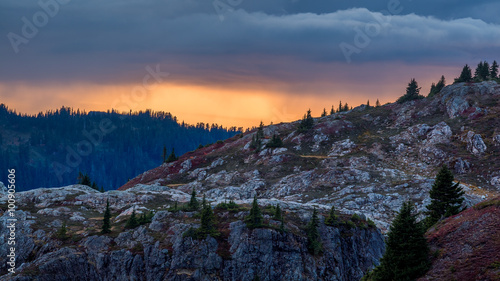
158, 250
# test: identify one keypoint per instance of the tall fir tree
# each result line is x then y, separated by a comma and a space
257, 138
436, 88
106, 221
494, 70
332, 111
193, 204
277, 213
482, 72
368, 103
465, 75
412, 92
477, 72
260, 131
62, 233
306, 123
313, 238
254, 219
377, 104
207, 220
324, 112
172, 157
132, 222
332, 219
446, 197
406, 254
275, 142
485, 71
84, 179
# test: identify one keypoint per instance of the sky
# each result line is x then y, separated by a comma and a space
234, 62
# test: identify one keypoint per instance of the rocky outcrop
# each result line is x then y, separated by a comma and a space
458, 99
161, 252
475, 143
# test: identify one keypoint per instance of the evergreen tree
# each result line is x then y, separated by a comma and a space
106, 221
465, 76
478, 72
377, 104
494, 70
485, 71
313, 238
346, 107
207, 220
441, 83
341, 108
260, 131
436, 88
482, 71
254, 219
275, 142
256, 143
332, 111
446, 197
193, 204
306, 123
412, 92
277, 213
257, 138
433, 91
132, 222
94, 186
62, 233
406, 253
332, 219
84, 179
102, 189
368, 103
172, 157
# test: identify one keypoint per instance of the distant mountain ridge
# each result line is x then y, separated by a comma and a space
49, 149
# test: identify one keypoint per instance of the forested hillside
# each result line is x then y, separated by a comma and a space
51, 148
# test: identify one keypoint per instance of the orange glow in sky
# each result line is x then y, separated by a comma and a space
240, 105
191, 104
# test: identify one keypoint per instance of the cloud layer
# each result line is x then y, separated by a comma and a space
112, 41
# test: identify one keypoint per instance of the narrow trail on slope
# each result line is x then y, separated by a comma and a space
315, 156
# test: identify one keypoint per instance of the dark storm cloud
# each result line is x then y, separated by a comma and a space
112, 41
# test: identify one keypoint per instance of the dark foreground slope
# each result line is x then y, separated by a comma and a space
467, 246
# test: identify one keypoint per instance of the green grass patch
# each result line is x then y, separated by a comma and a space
486, 204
